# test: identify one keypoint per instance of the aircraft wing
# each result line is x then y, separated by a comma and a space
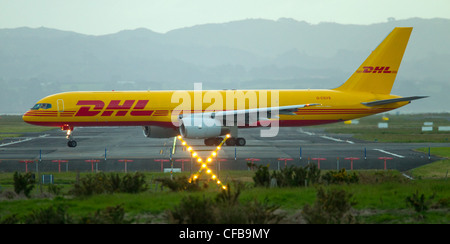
394, 100
286, 110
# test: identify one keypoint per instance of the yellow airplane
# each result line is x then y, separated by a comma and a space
211, 114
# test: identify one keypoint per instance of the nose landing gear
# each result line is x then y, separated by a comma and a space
71, 142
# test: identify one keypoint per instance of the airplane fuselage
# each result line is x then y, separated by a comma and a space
144, 108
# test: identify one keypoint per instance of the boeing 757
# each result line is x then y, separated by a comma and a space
211, 114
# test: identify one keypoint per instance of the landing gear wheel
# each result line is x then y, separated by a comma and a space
240, 141
217, 141
209, 141
213, 141
72, 143
231, 141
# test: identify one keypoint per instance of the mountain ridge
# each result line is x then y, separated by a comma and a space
246, 54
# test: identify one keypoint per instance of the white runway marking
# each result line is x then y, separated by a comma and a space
325, 137
393, 154
337, 140
20, 141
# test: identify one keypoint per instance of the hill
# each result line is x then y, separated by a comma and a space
252, 53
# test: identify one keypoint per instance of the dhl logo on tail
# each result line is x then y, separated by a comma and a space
377, 69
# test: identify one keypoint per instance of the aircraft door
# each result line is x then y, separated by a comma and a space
60, 104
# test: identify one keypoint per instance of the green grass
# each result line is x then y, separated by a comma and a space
439, 169
382, 202
402, 128
438, 151
14, 126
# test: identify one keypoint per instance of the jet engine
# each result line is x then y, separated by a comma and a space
159, 132
201, 128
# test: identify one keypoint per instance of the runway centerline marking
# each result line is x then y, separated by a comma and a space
393, 154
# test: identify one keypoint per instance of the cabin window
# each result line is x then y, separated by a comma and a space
41, 106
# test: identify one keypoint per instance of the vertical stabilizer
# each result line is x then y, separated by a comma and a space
377, 73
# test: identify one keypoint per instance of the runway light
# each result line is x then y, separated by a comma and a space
195, 176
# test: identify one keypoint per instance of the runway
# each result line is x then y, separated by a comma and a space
108, 145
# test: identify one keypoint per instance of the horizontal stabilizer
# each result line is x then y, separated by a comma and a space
394, 100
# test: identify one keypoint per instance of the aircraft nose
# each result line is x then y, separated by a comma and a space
25, 116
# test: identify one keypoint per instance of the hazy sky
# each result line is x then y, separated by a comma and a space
97, 17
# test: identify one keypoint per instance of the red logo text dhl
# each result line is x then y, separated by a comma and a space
377, 69
114, 108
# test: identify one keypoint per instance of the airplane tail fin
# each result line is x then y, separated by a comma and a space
377, 73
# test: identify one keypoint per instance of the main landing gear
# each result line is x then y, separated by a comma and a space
239, 141
71, 142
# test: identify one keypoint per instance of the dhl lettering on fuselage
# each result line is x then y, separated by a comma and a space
377, 70
91, 108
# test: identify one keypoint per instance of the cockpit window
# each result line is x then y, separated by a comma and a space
41, 106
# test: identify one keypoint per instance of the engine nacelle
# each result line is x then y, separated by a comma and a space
159, 132
201, 128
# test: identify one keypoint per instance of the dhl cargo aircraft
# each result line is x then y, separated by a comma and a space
211, 114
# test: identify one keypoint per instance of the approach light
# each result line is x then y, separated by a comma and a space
204, 164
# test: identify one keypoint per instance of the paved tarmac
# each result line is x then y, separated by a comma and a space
298, 145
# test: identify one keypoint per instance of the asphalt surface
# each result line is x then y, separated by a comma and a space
299, 145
